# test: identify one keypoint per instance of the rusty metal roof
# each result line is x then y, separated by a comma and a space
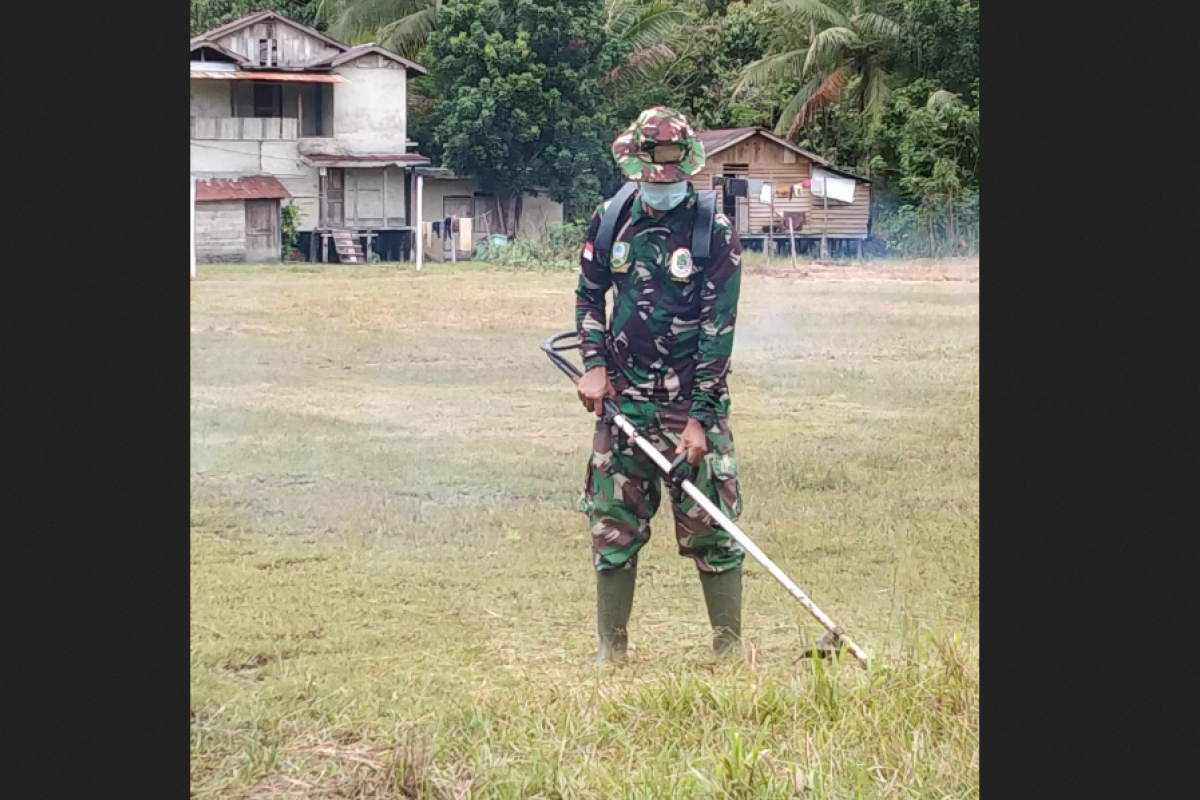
373, 160
718, 140
247, 187
723, 138
262, 75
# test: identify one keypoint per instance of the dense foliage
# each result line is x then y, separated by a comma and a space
530, 93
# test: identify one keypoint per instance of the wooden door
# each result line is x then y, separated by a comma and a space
262, 230
364, 198
333, 198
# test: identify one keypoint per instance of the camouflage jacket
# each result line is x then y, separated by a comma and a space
671, 334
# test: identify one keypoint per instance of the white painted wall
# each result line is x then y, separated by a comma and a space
211, 98
282, 160
230, 158
536, 212
220, 231
437, 190
370, 112
278, 159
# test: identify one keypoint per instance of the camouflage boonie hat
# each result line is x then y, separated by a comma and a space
634, 149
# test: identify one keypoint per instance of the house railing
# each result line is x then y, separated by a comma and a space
245, 129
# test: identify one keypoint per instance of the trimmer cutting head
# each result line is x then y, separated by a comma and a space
827, 646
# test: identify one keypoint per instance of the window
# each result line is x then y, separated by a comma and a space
789, 156
268, 52
255, 99
268, 100
316, 109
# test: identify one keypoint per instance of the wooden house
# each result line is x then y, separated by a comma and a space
797, 179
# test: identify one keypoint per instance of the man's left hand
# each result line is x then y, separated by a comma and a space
694, 441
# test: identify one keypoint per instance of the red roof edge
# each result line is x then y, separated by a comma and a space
248, 187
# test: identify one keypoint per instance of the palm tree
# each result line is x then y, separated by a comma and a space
651, 31
402, 26
847, 40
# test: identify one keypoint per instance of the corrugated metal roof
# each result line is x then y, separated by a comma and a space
247, 187
398, 159
295, 77
718, 140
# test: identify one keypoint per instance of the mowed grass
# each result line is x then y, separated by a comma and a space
392, 594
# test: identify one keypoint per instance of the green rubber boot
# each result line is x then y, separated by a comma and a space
723, 597
614, 602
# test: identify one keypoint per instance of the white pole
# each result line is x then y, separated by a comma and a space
742, 539
192, 230
420, 231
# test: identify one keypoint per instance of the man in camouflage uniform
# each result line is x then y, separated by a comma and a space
665, 358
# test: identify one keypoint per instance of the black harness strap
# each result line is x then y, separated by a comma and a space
702, 227
608, 222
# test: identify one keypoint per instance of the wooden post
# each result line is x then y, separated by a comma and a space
419, 232
825, 222
771, 227
409, 247
792, 241
193, 226
385, 169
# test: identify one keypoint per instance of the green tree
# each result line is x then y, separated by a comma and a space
927, 147
523, 108
841, 45
941, 40
208, 14
708, 73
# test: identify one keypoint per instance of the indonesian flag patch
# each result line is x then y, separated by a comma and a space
588, 250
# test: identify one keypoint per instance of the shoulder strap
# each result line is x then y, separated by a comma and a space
702, 226
608, 222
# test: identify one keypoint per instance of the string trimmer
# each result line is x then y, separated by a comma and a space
678, 473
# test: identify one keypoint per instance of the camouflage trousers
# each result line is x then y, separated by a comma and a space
623, 487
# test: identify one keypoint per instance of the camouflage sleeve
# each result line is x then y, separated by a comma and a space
590, 319
718, 313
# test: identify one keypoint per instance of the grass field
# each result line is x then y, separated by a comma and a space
391, 590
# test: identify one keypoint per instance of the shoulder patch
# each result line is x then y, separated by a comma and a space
620, 257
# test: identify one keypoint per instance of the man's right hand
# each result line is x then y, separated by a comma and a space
592, 388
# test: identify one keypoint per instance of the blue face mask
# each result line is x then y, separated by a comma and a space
663, 196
